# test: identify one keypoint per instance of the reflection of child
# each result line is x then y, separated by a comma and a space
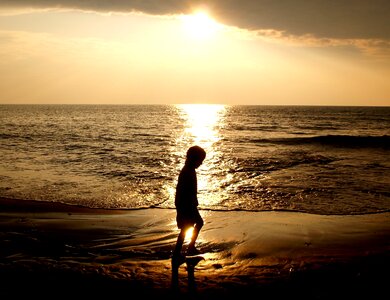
186, 201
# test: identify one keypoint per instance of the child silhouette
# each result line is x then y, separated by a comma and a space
186, 202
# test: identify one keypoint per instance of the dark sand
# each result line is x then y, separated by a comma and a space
50, 250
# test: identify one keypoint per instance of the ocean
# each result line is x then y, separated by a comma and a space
317, 160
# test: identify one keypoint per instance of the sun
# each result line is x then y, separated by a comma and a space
200, 26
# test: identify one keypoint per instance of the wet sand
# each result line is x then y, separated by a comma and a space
50, 250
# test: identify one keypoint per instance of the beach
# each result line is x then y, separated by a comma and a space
120, 120
49, 247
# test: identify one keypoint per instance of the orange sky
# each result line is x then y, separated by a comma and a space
112, 53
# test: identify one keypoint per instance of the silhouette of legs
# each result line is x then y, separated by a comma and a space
179, 243
191, 246
191, 250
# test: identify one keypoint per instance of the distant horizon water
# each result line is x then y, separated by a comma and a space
313, 159
190, 103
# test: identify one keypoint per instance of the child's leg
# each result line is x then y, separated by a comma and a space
198, 226
195, 234
179, 242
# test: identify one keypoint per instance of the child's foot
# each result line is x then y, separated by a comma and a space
192, 251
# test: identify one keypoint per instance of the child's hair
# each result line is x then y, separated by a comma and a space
196, 152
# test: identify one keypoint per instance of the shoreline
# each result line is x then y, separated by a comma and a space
275, 254
22, 205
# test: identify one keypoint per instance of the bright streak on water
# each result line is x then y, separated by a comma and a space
203, 124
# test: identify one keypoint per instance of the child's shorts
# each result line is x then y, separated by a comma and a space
188, 219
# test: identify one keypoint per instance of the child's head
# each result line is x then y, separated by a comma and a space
195, 156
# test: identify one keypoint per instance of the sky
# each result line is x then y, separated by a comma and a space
280, 52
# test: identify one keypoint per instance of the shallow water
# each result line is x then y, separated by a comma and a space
322, 160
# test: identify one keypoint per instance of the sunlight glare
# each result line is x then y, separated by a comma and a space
203, 123
200, 26
201, 120
189, 233
201, 126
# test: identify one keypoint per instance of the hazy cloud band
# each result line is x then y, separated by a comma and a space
345, 19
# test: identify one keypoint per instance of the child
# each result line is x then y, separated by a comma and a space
186, 202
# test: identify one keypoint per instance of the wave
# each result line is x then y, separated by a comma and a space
20, 205
255, 210
292, 211
347, 141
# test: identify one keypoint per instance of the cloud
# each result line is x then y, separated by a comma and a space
320, 18
337, 19
374, 48
154, 7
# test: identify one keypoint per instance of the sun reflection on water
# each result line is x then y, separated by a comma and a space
202, 127
203, 121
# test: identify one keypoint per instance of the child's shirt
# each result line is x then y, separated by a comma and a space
186, 190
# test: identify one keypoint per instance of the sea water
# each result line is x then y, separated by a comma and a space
321, 160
